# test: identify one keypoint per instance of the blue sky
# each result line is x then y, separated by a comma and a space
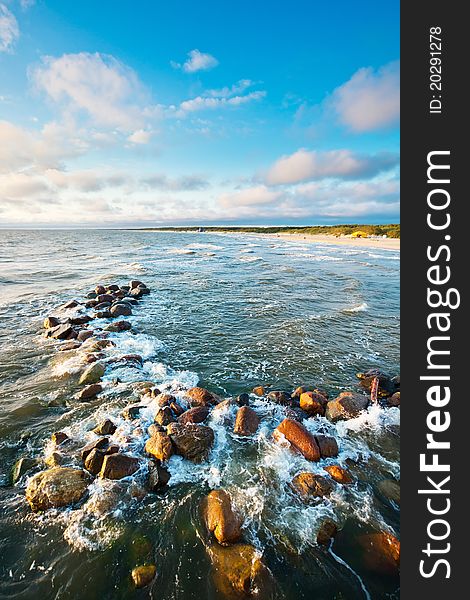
152, 113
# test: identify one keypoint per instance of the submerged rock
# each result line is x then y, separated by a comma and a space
308, 485
21, 467
347, 405
143, 575
56, 487
386, 385
238, 570
131, 412
59, 437
159, 446
117, 466
327, 530
72, 345
299, 438
220, 518
92, 374
246, 422
191, 441
194, 415
158, 476
381, 552
390, 489
90, 392
280, 397
200, 396
339, 474
242, 400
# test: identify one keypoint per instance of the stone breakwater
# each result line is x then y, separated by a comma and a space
125, 452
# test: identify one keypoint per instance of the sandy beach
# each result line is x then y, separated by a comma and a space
382, 243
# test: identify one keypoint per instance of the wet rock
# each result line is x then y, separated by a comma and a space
299, 438
238, 571
296, 414
163, 399
72, 345
132, 358
339, 474
144, 575
246, 422
103, 314
328, 446
159, 446
112, 288
105, 298
134, 283
80, 320
224, 405
191, 441
59, 437
99, 444
91, 295
102, 305
117, 466
55, 459
386, 386
89, 392
94, 345
121, 310
118, 326
242, 400
136, 293
21, 467
220, 517
259, 390
91, 303
390, 489
279, 397
69, 304
94, 461
177, 409
85, 334
92, 374
381, 552
106, 427
158, 477
194, 415
100, 290
61, 332
131, 412
309, 485
394, 399
164, 416
200, 396
154, 428
327, 530
347, 405
396, 382
313, 403
56, 487
57, 403
50, 322
299, 391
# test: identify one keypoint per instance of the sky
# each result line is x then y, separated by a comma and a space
147, 113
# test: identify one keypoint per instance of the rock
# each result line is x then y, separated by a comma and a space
103, 314
69, 304
72, 345
246, 422
279, 397
154, 428
312, 403
381, 552
164, 416
296, 414
94, 461
309, 485
238, 570
100, 290
80, 320
106, 427
99, 443
394, 399
131, 412
92, 374
50, 322
390, 489
55, 459
159, 446
143, 575
396, 382
120, 310
299, 438
328, 446
299, 391
177, 409
91, 295
327, 530
21, 467
200, 396
242, 400
259, 390
347, 405
104, 298
158, 477
59, 437
136, 293
112, 288
191, 441
94, 345
85, 334
135, 283
132, 358
223, 405
57, 403
194, 415
163, 399
339, 474
90, 391
386, 386
220, 518
117, 466
56, 487
118, 326
61, 332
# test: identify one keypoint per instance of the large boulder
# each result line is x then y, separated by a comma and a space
199, 396
56, 487
191, 441
347, 405
198, 414
143, 575
220, 517
246, 422
313, 403
92, 374
159, 446
117, 466
238, 571
386, 384
299, 438
309, 485
121, 309
94, 461
380, 553
61, 332
328, 446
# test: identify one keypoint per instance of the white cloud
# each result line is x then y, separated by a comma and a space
9, 30
305, 165
370, 100
204, 103
197, 61
254, 196
234, 90
95, 85
141, 136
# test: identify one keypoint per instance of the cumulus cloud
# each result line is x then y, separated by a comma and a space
305, 165
197, 61
370, 100
9, 30
141, 136
95, 85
